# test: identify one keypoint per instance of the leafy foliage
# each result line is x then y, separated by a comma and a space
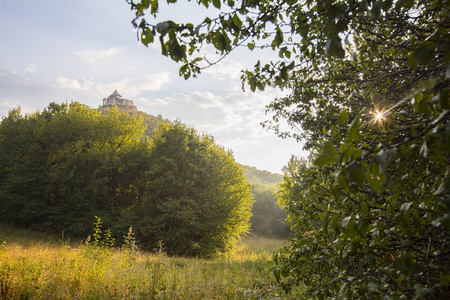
198, 201
370, 84
64, 166
151, 122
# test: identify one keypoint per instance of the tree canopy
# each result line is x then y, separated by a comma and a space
198, 201
64, 166
369, 84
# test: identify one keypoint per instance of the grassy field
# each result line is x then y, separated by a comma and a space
38, 266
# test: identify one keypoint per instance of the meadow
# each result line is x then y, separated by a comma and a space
38, 266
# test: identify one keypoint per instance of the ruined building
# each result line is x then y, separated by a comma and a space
115, 99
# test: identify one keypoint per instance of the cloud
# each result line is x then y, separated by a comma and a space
130, 87
31, 68
234, 122
221, 71
30, 94
68, 83
235, 114
96, 56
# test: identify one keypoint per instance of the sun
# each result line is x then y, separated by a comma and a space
379, 116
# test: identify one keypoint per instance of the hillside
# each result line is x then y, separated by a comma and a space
256, 176
152, 122
268, 219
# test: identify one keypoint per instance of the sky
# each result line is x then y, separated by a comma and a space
83, 50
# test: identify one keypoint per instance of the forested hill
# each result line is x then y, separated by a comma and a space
152, 122
268, 219
256, 176
253, 175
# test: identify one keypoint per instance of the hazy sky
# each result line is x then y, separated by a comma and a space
82, 50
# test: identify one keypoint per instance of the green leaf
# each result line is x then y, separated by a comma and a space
216, 3
163, 46
154, 6
356, 172
276, 272
221, 41
342, 180
376, 8
334, 47
334, 221
237, 21
185, 71
343, 117
145, 3
330, 28
363, 227
381, 161
375, 178
284, 74
364, 208
329, 155
353, 131
176, 51
278, 38
423, 54
146, 37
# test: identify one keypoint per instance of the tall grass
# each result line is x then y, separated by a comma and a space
38, 267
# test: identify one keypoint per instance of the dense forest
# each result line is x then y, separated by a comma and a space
367, 93
268, 218
64, 166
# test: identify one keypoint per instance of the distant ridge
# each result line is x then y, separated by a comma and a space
256, 176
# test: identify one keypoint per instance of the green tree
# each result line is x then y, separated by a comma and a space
198, 201
268, 218
66, 164
370, 85
23, 177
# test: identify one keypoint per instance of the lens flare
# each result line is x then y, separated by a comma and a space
379, 116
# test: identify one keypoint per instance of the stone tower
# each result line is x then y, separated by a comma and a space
115, 99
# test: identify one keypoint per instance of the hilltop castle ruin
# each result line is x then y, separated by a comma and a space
115, 99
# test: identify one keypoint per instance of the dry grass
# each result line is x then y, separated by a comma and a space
38, 267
